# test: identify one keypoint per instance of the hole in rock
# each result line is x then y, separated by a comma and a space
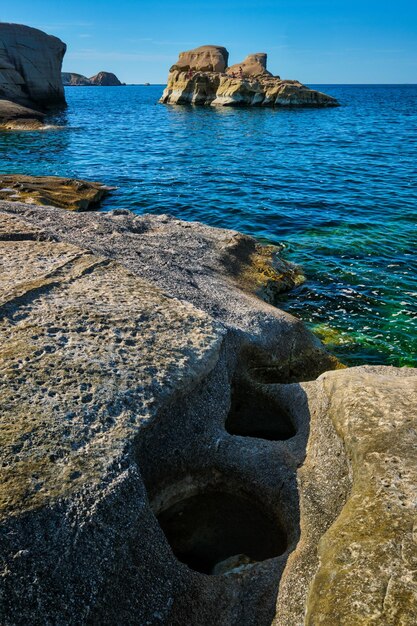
254, 413
218, 532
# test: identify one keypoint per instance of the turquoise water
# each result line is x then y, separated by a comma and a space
335, 187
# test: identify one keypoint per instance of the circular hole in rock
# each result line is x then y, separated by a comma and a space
217, 532
254, 413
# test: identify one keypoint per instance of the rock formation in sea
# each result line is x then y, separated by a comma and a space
102, 79
201, 76
175, 450
30, 74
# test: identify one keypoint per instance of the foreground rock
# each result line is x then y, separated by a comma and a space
164, 463
102, 79
66, 193
30, 74
200, 76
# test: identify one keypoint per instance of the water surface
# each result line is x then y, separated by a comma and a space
335, 187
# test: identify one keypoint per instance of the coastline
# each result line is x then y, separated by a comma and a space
176, 447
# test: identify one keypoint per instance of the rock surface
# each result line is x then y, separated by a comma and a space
245, 84
254, 65
156, 428
17, 117
66, 193
30, 75
102, 79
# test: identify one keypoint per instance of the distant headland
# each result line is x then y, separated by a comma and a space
202, 76
102, 79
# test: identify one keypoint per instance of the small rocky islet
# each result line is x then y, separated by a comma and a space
202, 76
175, 449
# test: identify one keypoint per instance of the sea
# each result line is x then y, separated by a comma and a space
335, 189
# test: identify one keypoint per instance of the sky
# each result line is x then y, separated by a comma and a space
314, 41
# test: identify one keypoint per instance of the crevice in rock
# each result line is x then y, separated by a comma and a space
218, 532
256, 413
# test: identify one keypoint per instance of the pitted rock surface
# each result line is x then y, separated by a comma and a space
169, 455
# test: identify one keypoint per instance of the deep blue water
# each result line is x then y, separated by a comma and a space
335, 187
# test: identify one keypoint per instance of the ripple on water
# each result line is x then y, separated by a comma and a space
336, 187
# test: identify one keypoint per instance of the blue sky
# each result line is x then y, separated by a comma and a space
315, 41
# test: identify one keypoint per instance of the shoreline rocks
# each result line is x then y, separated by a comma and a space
201, 77
66, 193
175, 450
30, 76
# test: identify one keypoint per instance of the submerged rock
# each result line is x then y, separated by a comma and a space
200, 77
66, 193
17, 117
161, 422
30, 75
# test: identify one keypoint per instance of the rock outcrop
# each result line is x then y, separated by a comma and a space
193, 80
66, 193
102, 79
30, 73
252, 67
202, 59
70, 79
105, 79
169, 455
14, 116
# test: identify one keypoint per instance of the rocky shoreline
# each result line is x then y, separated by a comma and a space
176, 450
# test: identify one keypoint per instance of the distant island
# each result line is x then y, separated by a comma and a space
202, 76
102, 79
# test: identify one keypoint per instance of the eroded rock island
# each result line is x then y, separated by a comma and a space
202, 76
